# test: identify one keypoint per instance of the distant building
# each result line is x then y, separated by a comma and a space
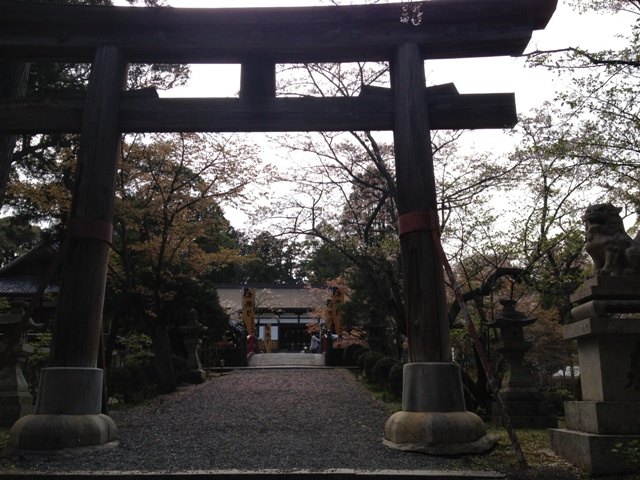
20, 278
287, 308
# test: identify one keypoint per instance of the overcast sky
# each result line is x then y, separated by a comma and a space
484, 75
532, 86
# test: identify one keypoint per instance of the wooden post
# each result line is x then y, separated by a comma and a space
423, 274
258, 77
78, 327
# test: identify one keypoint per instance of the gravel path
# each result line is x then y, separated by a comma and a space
255, 419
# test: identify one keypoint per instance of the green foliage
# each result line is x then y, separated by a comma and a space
270, 259
358, 353
628, 453
369, 362
138, 349
323, 263
394, 382
361, 359
349, 353
180, 369
5, 306
17, 237
132, 383
381, 369
41, 343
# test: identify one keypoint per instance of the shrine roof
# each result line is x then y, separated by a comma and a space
276, 298
23, 286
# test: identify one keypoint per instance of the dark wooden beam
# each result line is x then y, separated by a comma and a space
449, 29
270, 115
375, 91
258, 77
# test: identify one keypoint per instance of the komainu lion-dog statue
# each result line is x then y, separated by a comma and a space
612, 250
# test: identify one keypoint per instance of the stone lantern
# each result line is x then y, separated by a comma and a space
523, 401
376, 330
191, 332
15, 399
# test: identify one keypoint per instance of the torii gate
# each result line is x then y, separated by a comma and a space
68, 404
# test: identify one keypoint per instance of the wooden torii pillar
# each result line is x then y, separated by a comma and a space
434, 417
69, 402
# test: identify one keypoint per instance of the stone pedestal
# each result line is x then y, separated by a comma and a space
15, 399
192, 341
434, 419
67, 415
522, 400
607, 330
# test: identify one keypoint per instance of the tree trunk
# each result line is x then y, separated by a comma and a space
13, 85
166, 379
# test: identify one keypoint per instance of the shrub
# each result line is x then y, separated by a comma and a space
180, 369
381, 370
628, 453
349, 354
361, 359
370, 362
358, 353
132, 383
394, 382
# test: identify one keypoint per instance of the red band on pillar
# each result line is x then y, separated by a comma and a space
94, 229
418, 222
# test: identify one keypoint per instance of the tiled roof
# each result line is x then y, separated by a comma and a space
276, 297
14, 286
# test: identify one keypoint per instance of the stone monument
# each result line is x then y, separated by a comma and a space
191, 332
522, 399
607, 330
15, 399
376, 330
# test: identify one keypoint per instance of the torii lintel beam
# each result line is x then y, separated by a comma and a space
452, 111
449, 29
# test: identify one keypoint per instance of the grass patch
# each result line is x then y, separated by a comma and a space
533, 442
4, 437
381, 394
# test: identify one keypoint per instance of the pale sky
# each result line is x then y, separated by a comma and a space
483, 75
532, 86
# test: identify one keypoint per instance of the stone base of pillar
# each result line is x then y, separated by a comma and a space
434, 419
67, 413
41, 433
13, 406
437, 433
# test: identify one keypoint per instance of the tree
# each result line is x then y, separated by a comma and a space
322, 262
270, 259
17, 237
167, 210
45, 80
347, 191
603, 102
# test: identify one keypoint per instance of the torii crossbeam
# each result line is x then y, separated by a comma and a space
258, 39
